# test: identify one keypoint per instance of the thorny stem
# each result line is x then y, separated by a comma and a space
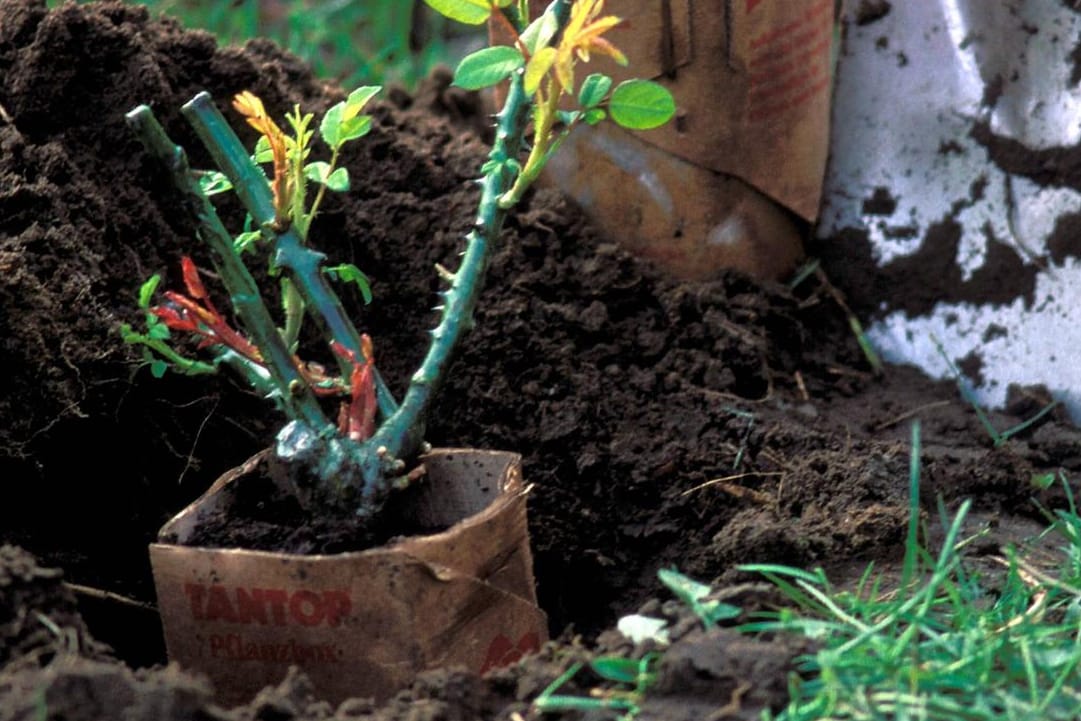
363, 473
460, 299
379, 459
296, 398
401, 434
544, 119
290, 252
543, 145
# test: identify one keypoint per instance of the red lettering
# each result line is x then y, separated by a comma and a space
806, 76
314, 613
233, 647
267, 606
195, 593
250, 606
765, 113
772, 72
752, 4
225, 645
337, 606
810, 15
277, 600
218, 606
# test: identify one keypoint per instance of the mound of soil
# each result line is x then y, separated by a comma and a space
699, 425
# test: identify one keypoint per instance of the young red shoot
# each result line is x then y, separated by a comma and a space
357, 418
185, 313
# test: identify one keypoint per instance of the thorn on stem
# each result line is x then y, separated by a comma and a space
444, 274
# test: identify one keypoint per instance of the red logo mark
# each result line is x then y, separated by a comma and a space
267, 606
503, 652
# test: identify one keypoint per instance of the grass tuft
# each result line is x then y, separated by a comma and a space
947, 643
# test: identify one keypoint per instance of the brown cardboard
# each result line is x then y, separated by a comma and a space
689, 220
727, 182
363, 623
752, 82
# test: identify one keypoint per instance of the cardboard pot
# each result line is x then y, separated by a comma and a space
361, 623
734, 181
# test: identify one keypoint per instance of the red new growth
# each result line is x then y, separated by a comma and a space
186, 314
357, 420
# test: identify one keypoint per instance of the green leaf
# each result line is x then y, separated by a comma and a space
779, 570
246, 240
353, 128
158, 368
686, 588
613, 668
263, 153
595, 115
330, 125
299, 123
540, 32
146, 290
693, 593
641, 105
157, 330
486, 67
349, 273
212, 182
358, 99
593, 90
568, 117
338, 181
470, 12
320, 172
537, 67
341, 124
1042, 481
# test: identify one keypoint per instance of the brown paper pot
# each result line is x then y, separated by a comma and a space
361, 623
735, 180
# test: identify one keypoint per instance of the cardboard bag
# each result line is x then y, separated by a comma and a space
364, 623
734, 179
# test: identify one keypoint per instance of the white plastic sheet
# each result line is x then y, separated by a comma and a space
954, 111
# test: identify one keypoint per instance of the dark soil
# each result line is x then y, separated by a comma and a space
629, 394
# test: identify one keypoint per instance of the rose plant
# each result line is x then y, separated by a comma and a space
351, 459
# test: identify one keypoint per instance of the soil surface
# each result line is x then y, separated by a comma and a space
697, 425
